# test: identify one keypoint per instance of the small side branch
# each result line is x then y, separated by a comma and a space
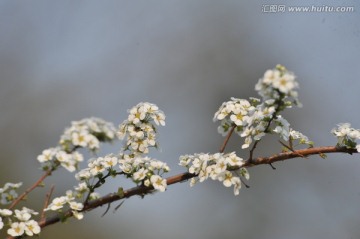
228, 136
46, 203
27, 191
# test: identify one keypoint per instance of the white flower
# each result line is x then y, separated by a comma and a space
78, 215
140, 174
47, 155
70, 196
92, 142
80, 138
96, 166
84, 174
226, 178
62, 156
283, 128
28, 210
69, 165
10, 186
346, 135
158, 183
5, 212
193, 181
81, 188
122, 131
76, 206
17, 229
110, 161
233, 160
159, 119
136, 116
237, 185
296, 135
247, 143
94, 195
285, 83
271, 76
32, 227
57, 203
78, 157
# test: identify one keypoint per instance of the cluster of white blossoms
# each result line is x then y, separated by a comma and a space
86, 133
20, 222
277, 84
140, 133
225, 168
52, 157
251, 119
347, 136
302, 139
144, 171
98, 168
65, 202
254, 118
140, 129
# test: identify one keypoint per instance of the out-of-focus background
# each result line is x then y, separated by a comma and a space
66, 60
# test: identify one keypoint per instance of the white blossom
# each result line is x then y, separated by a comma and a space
32, 227
16, 229
158, 183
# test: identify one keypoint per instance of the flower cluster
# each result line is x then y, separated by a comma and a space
144, 170
139, 127
97, 167
8, 193
52, 157
20, 222
347, 136
225, 168
59, 203
87, 133
141, 134
278, 83
302, 139
253, 118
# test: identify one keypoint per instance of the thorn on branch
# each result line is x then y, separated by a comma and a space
118, 206
272, 166
242, 181
107, 209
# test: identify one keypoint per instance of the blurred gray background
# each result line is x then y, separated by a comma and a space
66, 60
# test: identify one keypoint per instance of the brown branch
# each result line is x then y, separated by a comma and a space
142, 190
27, 191
223, 146
46, 203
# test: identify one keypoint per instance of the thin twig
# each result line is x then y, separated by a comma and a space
290, 148
223, 146
27, 191
46, 203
